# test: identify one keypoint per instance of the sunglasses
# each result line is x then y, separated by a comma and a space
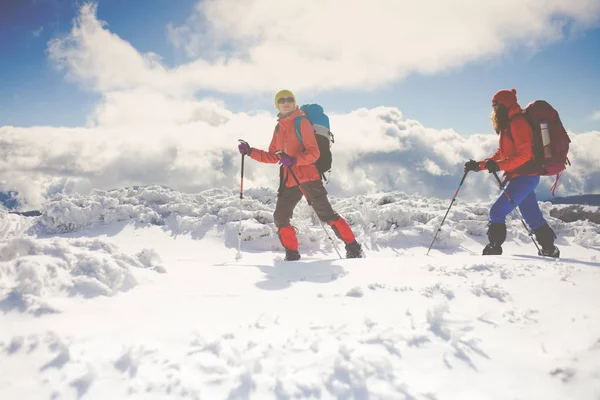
286, 99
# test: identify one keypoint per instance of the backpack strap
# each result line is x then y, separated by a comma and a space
509, 122
297, 122
553, 188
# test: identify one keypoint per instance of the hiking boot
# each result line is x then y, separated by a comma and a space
552, 252
354, 250
490, 250
291, 255
545, 237
496, 235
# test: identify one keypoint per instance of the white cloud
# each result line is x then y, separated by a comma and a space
145, 107
596, 116
102, 60
260, 46
150, 129
432, 168
375, 150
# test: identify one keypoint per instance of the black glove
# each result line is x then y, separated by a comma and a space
472, 165
492, 166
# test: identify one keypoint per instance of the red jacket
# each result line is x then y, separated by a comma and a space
513, 154
285, 139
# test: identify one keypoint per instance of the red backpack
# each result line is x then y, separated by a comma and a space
550, 140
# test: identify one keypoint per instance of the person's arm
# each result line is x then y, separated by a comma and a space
268, 157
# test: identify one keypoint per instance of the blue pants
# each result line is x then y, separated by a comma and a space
522, 192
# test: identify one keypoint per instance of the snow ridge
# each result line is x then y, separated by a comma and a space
380, 219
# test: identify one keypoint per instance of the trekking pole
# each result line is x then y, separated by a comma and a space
309, 203
239, 253
447, 211
530, 233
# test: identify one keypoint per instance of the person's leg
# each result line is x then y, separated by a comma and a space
545, 237
535, 219
284, 209
531, 211
518, 189
496, 236
317, 195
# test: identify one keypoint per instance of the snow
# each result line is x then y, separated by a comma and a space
137, 293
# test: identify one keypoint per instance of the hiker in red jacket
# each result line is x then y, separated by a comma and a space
297, 160
514, 157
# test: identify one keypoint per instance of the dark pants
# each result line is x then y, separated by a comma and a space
289, 197
522, 191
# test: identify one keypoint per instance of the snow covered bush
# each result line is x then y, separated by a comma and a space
387, 219
151, 259
32, 270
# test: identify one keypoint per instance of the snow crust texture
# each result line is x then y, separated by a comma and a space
136, 293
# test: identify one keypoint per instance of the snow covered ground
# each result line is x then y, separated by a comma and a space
136, 293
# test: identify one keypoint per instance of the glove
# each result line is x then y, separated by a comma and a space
472, 165
492, 166
287, 161
245, 149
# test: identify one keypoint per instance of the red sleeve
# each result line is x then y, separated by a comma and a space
311, 149
268, 157
523, 140
495, 157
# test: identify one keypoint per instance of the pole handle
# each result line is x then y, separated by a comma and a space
242, 172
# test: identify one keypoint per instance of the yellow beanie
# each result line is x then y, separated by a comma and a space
283, 93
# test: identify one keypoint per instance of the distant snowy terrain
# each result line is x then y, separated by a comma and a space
136, 293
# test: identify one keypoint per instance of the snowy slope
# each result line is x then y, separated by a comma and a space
136, 293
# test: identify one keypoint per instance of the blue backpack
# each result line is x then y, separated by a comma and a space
320, 122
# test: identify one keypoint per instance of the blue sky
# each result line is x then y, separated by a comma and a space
33, 92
